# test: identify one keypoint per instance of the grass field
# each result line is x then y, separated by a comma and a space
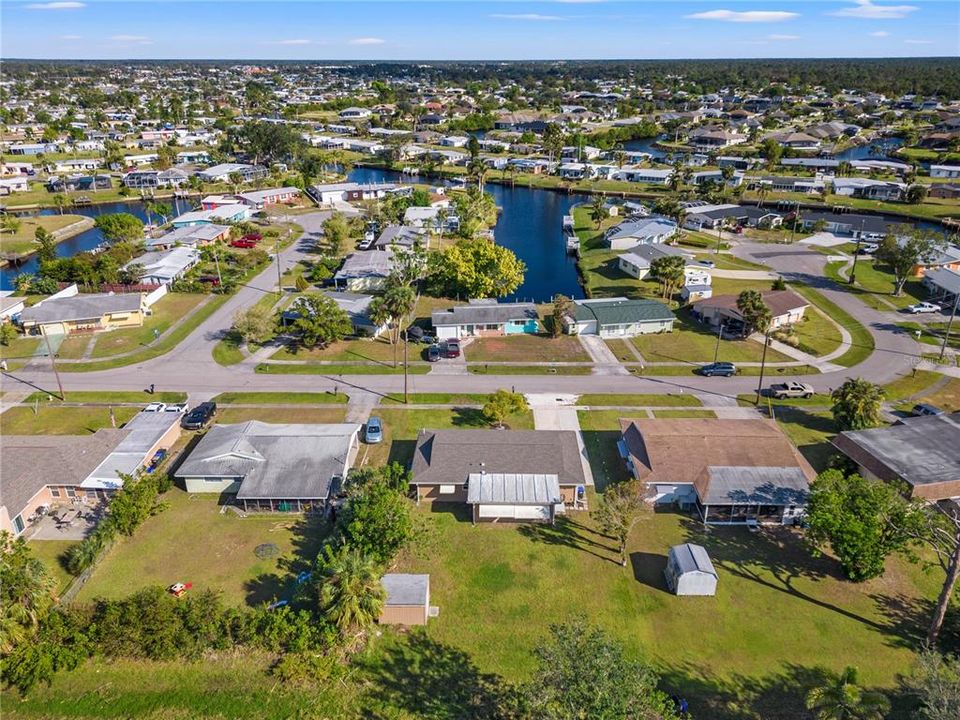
818, 336
339, 369
280, 398
437, 399
102, 397
268, 414
640, 400
50, 553
810, 431
22, 242
526, 348
224, 560
861, 341
53, 420
19, 351
166, 311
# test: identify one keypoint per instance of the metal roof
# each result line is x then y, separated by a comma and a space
406, 589
692, 558
513, 489
620, 311
755, 486
144, 431
485, 313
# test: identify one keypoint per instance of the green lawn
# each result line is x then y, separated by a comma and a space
227, 352
19, 351
876, 280
640, 400
478, 369
401, 427
378, 350
223, 556
692, 341
269, 414
861, 341
437, 399
53, 420
934, 333
526, 348
103, 397
51, 554
280, 398
622, 349
22, 242
926, 387
810, 430
339, 369
166, 311
818, 336
601, 431
73, 347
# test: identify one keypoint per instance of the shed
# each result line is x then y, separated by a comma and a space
514, 496
689, 571
408, 599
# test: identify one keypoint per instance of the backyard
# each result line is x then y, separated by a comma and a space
22, 242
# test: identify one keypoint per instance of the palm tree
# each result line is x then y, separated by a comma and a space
597, 209
842, 699
349, 590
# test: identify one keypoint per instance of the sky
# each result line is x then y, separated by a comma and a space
466, 30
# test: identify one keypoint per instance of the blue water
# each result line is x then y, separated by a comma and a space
84, 241
531, 226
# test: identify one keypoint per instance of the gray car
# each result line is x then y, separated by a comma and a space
374, 431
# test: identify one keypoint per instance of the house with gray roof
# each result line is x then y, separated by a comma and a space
84, 313
356, 305
407, 601
485, 318
188, 236
269, 467
618, 317
643, 231
502, 470
364, 271
637, 261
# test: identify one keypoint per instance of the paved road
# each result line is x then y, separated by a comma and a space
190, 366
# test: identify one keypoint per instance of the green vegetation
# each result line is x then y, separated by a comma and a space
478, 369
861, 341
61, 420
811, 431
817, 334
526, 348
109, 397
52, 553
437, 399
339, 369
692, 342
22, 241
166, 311
629, 400
280, 398
270, 414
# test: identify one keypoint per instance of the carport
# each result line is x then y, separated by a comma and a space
514, 496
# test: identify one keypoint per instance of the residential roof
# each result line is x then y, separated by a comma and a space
28, 463
366, 263
259, 196
620, 311
484, 312
513, 489
166, 263
692, 558
406, 589
641, 228
869, 223
400, 235
189, 235
143, 432
644, 255
451, 456
727, 461
81, 307
223, 212
780, 302
294, 461
919, 451
945, 279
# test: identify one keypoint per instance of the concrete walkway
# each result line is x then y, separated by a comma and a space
604, 361
743, 274
823, 364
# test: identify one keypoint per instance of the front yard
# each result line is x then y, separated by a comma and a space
526, 348
52, 419
166, 311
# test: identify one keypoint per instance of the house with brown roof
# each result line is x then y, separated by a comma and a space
786, 308
502, 474
730, 471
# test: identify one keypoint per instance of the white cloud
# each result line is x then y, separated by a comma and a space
783, 37
880, 33
129, 38
294, 41
749, 16
525, 16
71, 37
919, 42
866, 10
367, 41
56, 6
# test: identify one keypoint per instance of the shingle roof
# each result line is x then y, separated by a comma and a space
780, 302
642, 228
293, 461
81, 307
484, 313
450, 456
620, 311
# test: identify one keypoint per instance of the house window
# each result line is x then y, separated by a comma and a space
18, 525
448, 489
55, 492
71, 492
91, 494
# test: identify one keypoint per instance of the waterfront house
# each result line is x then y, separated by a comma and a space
945, 171
166, 266
11, 185
484, 318
259, 199
223, 213
222, 172
642, 231
188, 236
637, 262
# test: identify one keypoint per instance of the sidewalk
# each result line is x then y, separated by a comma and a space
604, 361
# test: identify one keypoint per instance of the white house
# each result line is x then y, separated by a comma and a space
945, 171
167, 266
8, 186
642, 231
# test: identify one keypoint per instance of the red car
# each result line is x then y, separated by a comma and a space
252, 237
212, 279
243, 243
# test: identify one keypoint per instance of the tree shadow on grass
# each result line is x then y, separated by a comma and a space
909, 617
423, 678
571, 534
401, 451
308, 534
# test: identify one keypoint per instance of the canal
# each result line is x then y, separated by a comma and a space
531, 225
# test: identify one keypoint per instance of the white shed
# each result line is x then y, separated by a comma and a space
689, 571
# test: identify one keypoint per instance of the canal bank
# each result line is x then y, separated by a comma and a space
17, 247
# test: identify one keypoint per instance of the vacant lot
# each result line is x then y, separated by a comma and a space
222, 556
526, 348
166, 311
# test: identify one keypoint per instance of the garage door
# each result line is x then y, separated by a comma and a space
515, 512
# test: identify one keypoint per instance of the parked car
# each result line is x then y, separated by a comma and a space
212, 279
433, 353
707, 263
792, 389
155, 407
374, 431
177, 407
428, 340
724, 369
868, 248
925, 410
252, 237
450, 349
924, 307
198, 418
241, 243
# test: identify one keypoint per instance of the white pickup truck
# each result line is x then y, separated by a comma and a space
791, 389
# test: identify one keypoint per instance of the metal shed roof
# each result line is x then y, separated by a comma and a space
513, 489
692, 558
406, 589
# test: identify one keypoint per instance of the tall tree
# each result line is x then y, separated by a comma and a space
376, 520
477, 268
841, 698
349, 592
598, 209
857, 404
502, 404
393, 307
46, 244
321, 321
256, 324
583, 674
754, 311
337, 232
905, 248
936, 682
120, 227
26, 592
621, 507
668, 271
862, 521
562, 307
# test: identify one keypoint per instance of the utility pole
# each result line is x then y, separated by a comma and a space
763, 363
405, 343
216, 259
53, 364
716, 352
946, 337
276, 249
856, 255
